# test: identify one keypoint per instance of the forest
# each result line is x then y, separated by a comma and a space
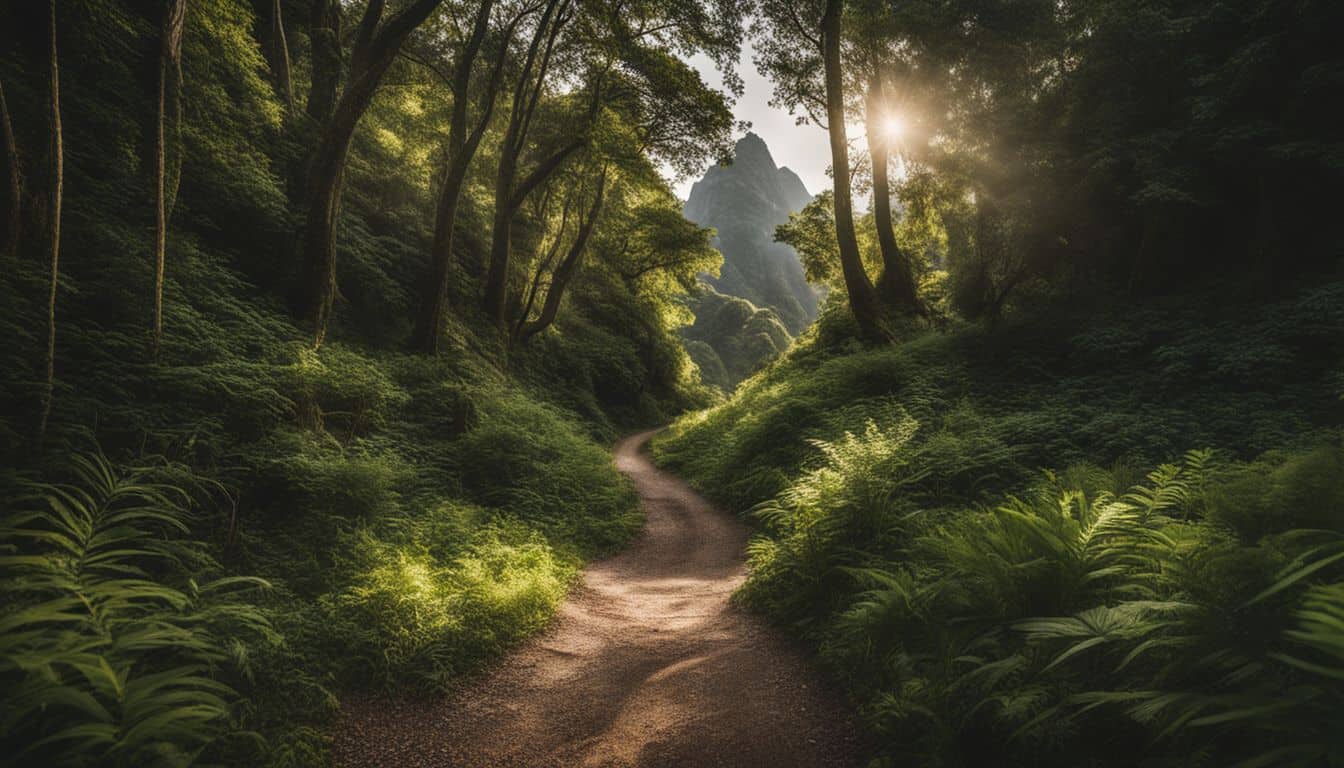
335, 331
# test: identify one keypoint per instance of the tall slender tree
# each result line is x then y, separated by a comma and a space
167, 172
511, 191
376, 45
896, 286
565, 270
277, 55
799, 45
14, 218
863, 300
462, 146
57, 189
547, 262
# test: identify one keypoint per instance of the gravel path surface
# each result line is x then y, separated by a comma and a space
648, 664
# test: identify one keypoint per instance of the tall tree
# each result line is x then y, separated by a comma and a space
564, 272
462, 148
632, 76
324, 35
14, 219
166, 173
510, 191
547, 262
863, 301
799, 45
647, 106
376, 45
896, 286
277, 55
57, 182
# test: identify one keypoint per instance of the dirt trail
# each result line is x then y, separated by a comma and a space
648, 664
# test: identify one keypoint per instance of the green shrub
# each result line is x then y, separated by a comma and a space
1104, 615
1015, 635
534, 463
1283, 491
337, 390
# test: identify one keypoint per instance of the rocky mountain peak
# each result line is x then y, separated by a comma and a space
745, 201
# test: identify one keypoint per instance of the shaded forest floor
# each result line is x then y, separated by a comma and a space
649, 664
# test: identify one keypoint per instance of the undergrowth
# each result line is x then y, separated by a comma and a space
121, 642
1144, 603
411, 519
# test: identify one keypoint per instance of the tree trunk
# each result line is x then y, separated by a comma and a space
509, 194
277, 56
316, 290
54, 218
461, 150
324, 32
14, 221
862, 296
542, 267
170, 82
374, 51
565, 271
896, 286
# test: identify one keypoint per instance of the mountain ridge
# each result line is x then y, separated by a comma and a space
744, 202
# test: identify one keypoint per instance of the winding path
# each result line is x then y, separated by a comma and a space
648, 664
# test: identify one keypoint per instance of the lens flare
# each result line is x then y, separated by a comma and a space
894, 127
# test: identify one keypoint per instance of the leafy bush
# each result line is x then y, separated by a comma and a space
336, 385
1282, 491
1017, 634
533, 462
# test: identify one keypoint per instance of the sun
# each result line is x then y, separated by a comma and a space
894, 127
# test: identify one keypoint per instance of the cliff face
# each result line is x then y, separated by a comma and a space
745, 201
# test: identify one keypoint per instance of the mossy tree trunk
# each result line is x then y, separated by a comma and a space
57, 182
324, 34
374, 50
167, 171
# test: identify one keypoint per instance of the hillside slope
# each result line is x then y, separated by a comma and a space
1142, 602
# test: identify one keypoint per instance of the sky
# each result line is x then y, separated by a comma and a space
802, 148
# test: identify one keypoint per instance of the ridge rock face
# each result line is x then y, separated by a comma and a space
745, 201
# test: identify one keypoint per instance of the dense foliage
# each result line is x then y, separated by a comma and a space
732, 338
318, 314
1147, 602
1125, 198
258, 486
1050, 148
